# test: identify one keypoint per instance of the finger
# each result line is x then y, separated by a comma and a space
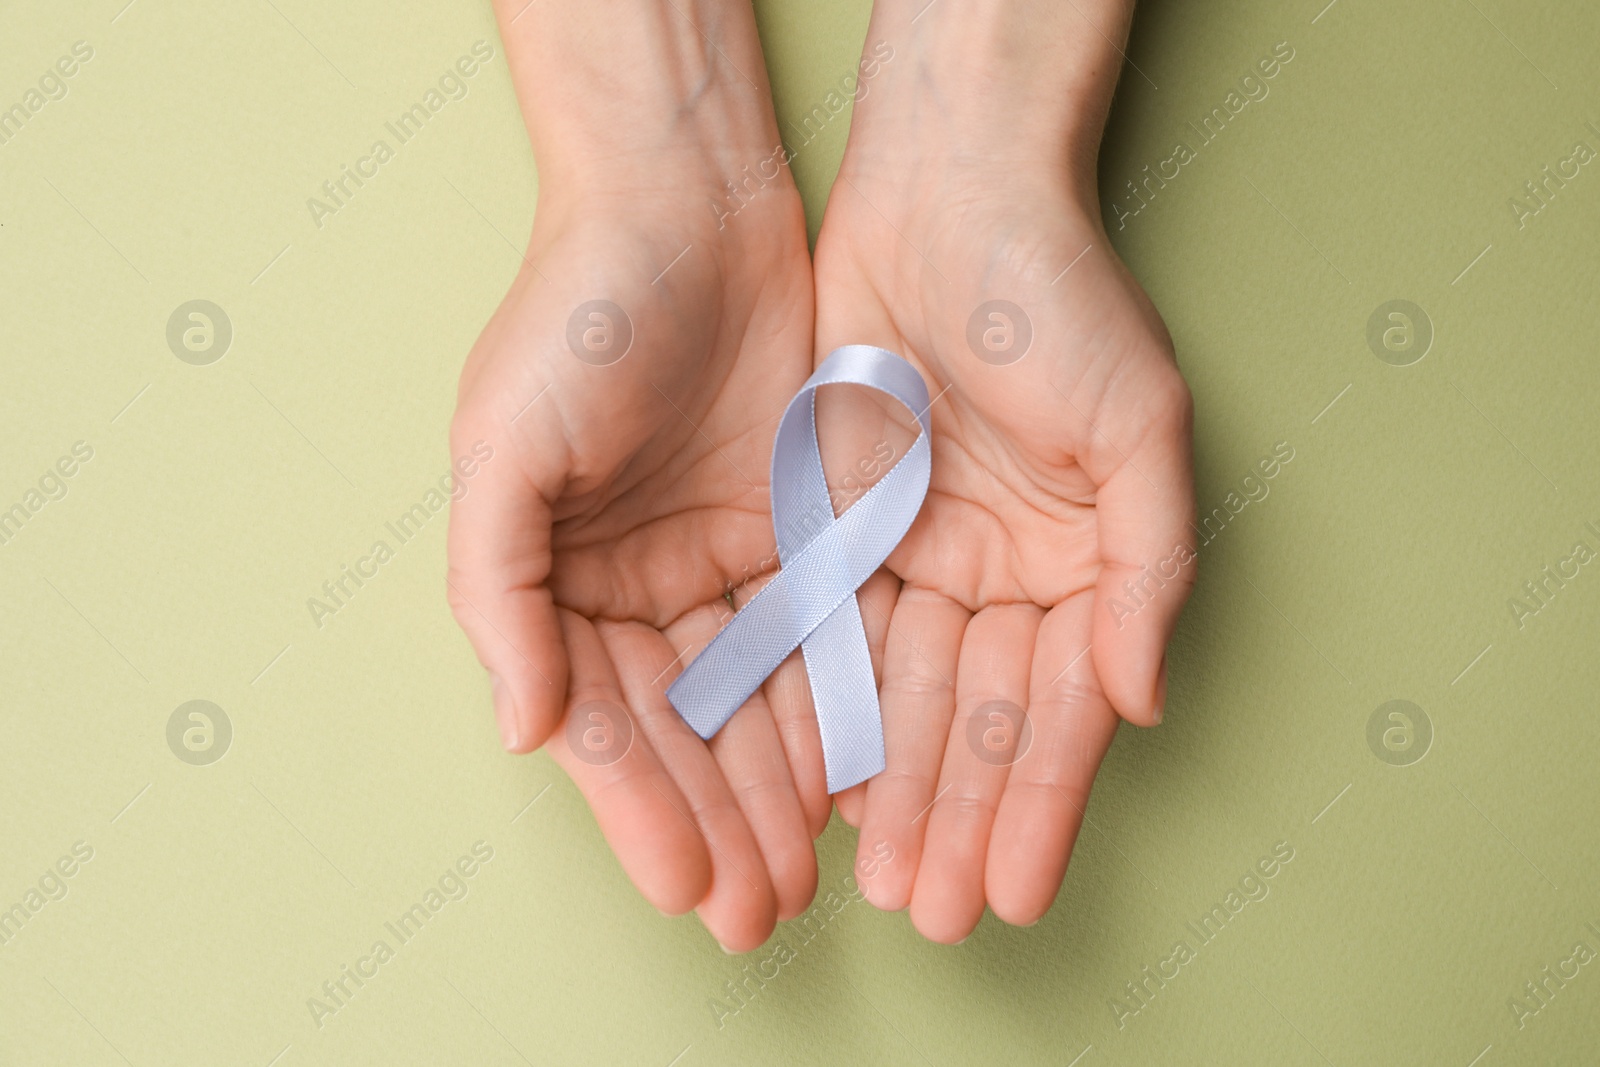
876, 598
991, 700
739, 909
634, 800
852, 804
753, 763
788, 693
499, 561
752, 759
1144, 510
1047, 790
919, 702
788, 690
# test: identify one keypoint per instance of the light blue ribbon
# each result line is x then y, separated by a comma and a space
811, 602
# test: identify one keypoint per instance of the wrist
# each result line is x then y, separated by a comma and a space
1017, 90
623, 96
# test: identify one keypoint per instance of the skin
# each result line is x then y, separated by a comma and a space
592, 556
1056, 477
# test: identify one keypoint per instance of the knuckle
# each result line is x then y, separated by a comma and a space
468, 428
902, 778
967, 805
917, 686
461, 604
1077, 693
1171, 398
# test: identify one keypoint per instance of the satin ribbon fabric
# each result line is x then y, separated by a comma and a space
811, 602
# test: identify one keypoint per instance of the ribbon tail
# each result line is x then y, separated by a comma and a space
839, 667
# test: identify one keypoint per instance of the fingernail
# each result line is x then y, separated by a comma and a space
1158, 713
505, 713
726, 949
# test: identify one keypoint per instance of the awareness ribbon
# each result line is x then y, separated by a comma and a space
811, 602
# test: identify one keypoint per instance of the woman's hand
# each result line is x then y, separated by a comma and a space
1050, 561
629, 386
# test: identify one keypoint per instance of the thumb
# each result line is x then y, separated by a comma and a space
1148, 554
499, 556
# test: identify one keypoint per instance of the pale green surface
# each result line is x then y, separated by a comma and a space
364, 761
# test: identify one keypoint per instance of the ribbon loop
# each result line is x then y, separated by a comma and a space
811, 602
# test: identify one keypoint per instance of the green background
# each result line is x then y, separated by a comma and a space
364, 761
